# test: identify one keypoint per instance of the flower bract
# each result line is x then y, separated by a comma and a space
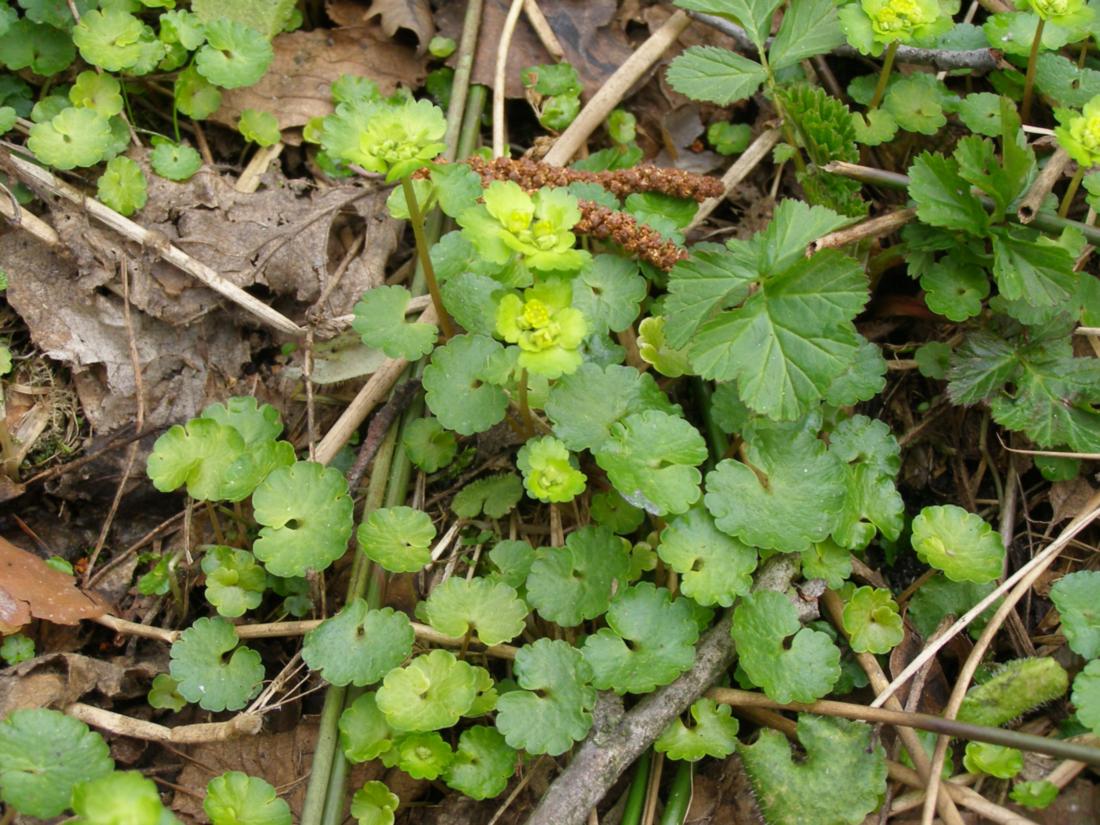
547, 329
872, 24
381, 136
548, 472
1079, 134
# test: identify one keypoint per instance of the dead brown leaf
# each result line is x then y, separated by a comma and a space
412, 15
296, 87
29, 588
1068, 498
60, 679
594, 48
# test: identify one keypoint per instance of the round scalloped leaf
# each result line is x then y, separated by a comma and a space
828, 561
584, 405
432, 691
616, 513
380, 322
175, 161
73, 137
122, 186
421, 755
1075, 597
428, 445
608, 290
44, 754
491, 610
364, 732
235, 798
235, 581
398, 538
307, 516
374, 804
799, 669
120, 797
651, 458
513, 559
208, 457
999, 761
111, 39
1037, 793
164, 694
872, 621
549, 471
486, 700
100, 92
649, 640
787, 496
234, 54
959, 543
41, 48
204, 674
482, 764
1086, 696
358, 646
458, 388
493, 495
196, 96
715, 568
571, 584
713, 734
553, 709
255, 422
839, 781
259, 127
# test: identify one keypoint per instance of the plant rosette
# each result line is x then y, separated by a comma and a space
548, 470
394, 139
1070, 14
1079, 133
871, 25
545, 327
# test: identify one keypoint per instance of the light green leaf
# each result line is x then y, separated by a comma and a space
206, 674
234, 54
491, 611
398, 538
235, 798
714, 733
715, 568
358, 646
961, 544
432, 692
571, 584
458, 388
380, 322
715, 75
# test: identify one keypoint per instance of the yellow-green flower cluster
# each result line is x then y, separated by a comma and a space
1079, 133
545, 326
1071, 14
394, 139
548, 471
870, 25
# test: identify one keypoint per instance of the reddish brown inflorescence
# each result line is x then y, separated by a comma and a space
636, 238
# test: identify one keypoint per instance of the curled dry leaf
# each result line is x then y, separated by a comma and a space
29, 588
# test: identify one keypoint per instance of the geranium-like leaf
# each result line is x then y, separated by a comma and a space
380, 322
571, 584
175, 161
789, 494
432, 691
44, 754
398, 538
235, 581
428, 445
457, 387
872, 621
840, 780
204, 672
493, 495
583, 406
1075, 597
715, 568
306, 514
714, 733
649, 640
235, 798
482, 764
1027, 267
715, 75
234, 54
961, 544
491, 610
943, 198
374, 804
798, 669
553, 709
164, 694
358, 646
871, 457
364, 732
651, 458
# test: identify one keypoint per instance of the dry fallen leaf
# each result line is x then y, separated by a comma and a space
296, 87
414, 15
29, 588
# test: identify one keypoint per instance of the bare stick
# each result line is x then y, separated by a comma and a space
614, 88
542, 28
10, 209
757, 151
249, 181
500, 75
243, 724
155, 242
873, 228
1044, 182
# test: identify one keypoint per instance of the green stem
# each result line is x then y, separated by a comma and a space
883, 76
524, 407
679, 796
1071, 191
787, 127
1029, 78
328, 735
635, 800
416, 218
